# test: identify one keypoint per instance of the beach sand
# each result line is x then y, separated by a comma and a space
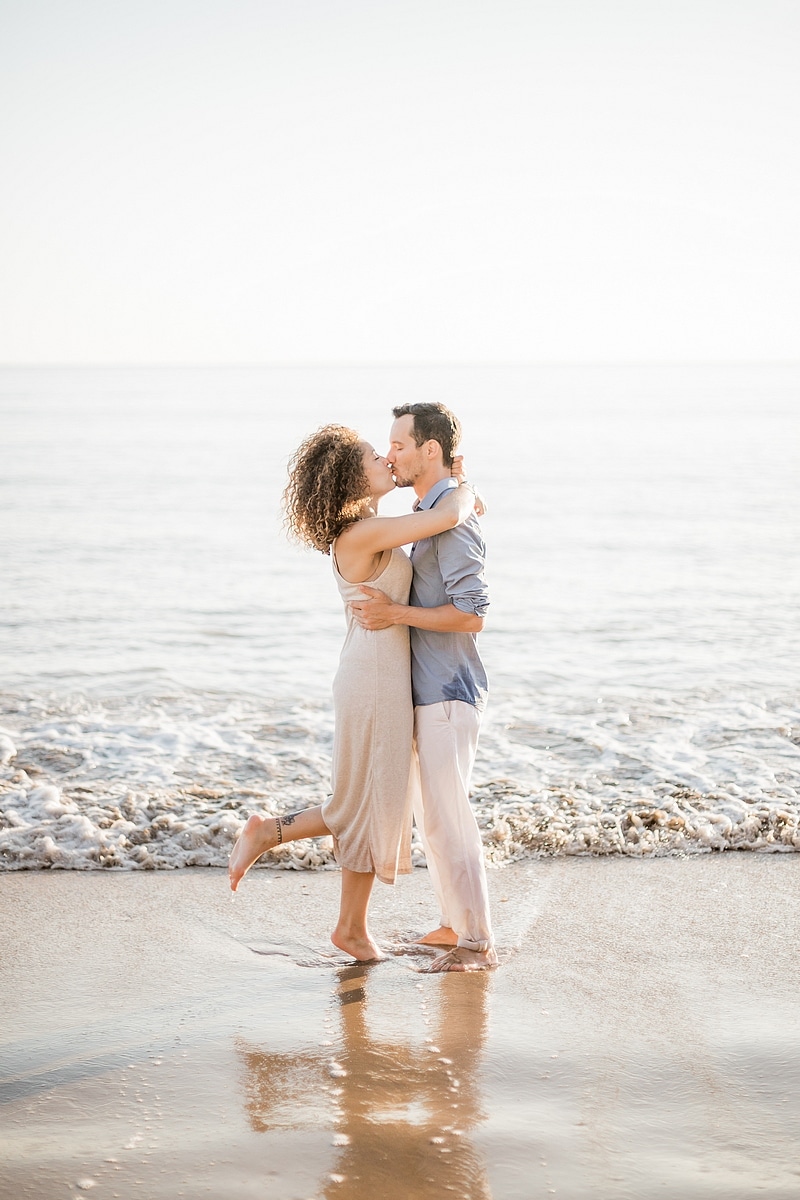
640, 1038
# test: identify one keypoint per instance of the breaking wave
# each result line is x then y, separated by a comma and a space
159, 783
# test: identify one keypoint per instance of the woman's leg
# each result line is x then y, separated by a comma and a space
261, 834
351, 933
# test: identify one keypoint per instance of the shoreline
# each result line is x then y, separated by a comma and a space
639, 1038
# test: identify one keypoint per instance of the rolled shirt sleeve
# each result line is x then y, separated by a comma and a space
448, 568
462, 557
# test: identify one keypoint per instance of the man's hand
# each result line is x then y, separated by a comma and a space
379, 612
375, 611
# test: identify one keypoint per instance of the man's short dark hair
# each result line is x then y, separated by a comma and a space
433, 422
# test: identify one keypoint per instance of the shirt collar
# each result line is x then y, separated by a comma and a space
438, 490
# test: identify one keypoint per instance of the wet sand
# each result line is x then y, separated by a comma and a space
641, 1038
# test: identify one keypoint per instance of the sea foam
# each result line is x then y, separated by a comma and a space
159, 783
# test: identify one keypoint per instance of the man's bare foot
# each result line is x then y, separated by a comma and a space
461, 959
443, 936
259, 835
361, 948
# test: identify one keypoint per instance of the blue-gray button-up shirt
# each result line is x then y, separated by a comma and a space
448, 568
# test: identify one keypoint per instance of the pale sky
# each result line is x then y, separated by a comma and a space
212, 181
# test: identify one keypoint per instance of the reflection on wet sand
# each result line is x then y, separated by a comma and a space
400, 1106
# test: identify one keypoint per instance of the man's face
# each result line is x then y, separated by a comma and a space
405, 456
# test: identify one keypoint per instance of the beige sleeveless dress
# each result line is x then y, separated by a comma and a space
369, 813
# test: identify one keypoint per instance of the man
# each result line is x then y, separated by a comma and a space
448, 601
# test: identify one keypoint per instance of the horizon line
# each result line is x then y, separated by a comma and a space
394, 364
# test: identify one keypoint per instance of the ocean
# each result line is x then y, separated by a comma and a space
166, 655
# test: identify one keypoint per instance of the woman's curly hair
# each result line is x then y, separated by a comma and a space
327, 484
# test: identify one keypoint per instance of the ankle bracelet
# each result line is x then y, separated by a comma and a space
280, 831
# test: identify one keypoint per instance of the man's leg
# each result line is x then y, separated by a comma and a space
446, 737
444, 935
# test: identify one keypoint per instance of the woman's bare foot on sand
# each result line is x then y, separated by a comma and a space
443, 936
259, 835
461, 959
359, 947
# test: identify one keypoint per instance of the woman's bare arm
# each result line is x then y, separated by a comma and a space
459, 472
375, 534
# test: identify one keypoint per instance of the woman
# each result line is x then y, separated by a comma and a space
336, 481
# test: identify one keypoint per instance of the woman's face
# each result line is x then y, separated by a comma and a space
377, 471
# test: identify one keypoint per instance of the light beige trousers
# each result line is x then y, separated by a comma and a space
445, 742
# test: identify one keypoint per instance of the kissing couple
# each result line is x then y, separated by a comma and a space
410, 688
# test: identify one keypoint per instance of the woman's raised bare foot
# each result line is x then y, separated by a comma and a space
443, 936
259, 835
361, 948
461, 959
